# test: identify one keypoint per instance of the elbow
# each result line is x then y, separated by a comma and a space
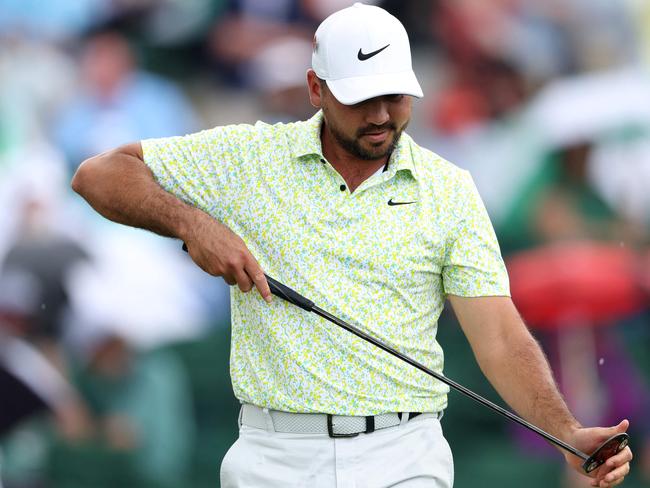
76, 183
82, 178
99, 173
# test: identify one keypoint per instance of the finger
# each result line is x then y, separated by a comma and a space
229, 279
617, 473
606, 432
605, 484
256, 273
621, 427
243, 280
625, 456
621, 459
618, 482
606, 478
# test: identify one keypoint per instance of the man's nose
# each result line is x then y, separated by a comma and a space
377, 112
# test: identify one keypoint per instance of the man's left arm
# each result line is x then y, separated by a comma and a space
514, 363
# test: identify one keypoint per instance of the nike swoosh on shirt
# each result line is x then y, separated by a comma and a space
362, 57
392, 203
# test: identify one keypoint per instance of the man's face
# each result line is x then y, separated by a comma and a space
368, 130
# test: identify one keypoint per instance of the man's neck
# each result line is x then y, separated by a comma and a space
352, 169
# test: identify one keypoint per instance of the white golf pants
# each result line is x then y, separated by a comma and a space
412, 455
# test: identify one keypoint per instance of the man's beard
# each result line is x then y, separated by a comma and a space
353, 146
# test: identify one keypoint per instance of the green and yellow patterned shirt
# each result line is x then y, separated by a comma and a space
385, 268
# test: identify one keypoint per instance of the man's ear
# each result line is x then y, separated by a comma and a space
315, 89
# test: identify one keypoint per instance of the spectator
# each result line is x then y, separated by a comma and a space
118, 101
39, 244
140, 403
30, 387
256, 26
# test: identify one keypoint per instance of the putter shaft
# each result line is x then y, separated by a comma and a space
447, 381
292, 296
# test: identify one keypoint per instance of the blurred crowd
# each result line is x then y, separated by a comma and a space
114, 348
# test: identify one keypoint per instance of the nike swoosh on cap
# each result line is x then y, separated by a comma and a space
362, 57
392, 203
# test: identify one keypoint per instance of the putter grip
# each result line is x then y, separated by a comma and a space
286, 293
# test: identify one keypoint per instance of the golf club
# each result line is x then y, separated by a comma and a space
610, 447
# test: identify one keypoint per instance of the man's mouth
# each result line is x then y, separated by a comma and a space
377, 136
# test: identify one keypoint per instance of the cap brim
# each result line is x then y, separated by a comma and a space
353, 90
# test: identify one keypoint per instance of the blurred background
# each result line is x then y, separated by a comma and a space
114, 347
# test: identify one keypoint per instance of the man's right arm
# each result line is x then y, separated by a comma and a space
121, 187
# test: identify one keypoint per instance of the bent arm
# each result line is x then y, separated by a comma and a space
513, 362
121, 187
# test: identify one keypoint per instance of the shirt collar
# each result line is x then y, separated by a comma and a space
402, 157
306, 141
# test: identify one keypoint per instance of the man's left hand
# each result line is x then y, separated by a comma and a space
587, 440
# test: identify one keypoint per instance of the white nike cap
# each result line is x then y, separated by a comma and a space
363, 52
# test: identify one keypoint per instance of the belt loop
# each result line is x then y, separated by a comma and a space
240, 417
403, 418
268, 419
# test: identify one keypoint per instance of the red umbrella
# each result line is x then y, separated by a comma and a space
577, 283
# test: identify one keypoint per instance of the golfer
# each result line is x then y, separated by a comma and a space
348, 210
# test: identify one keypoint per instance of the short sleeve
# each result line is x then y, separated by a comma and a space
473, 265
204, 169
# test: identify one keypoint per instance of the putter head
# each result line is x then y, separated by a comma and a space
609, 448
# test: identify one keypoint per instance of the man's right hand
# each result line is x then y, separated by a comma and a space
220, 252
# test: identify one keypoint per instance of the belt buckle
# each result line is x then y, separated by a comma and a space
330, 429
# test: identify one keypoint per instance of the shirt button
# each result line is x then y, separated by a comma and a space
322, 160
342, 187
